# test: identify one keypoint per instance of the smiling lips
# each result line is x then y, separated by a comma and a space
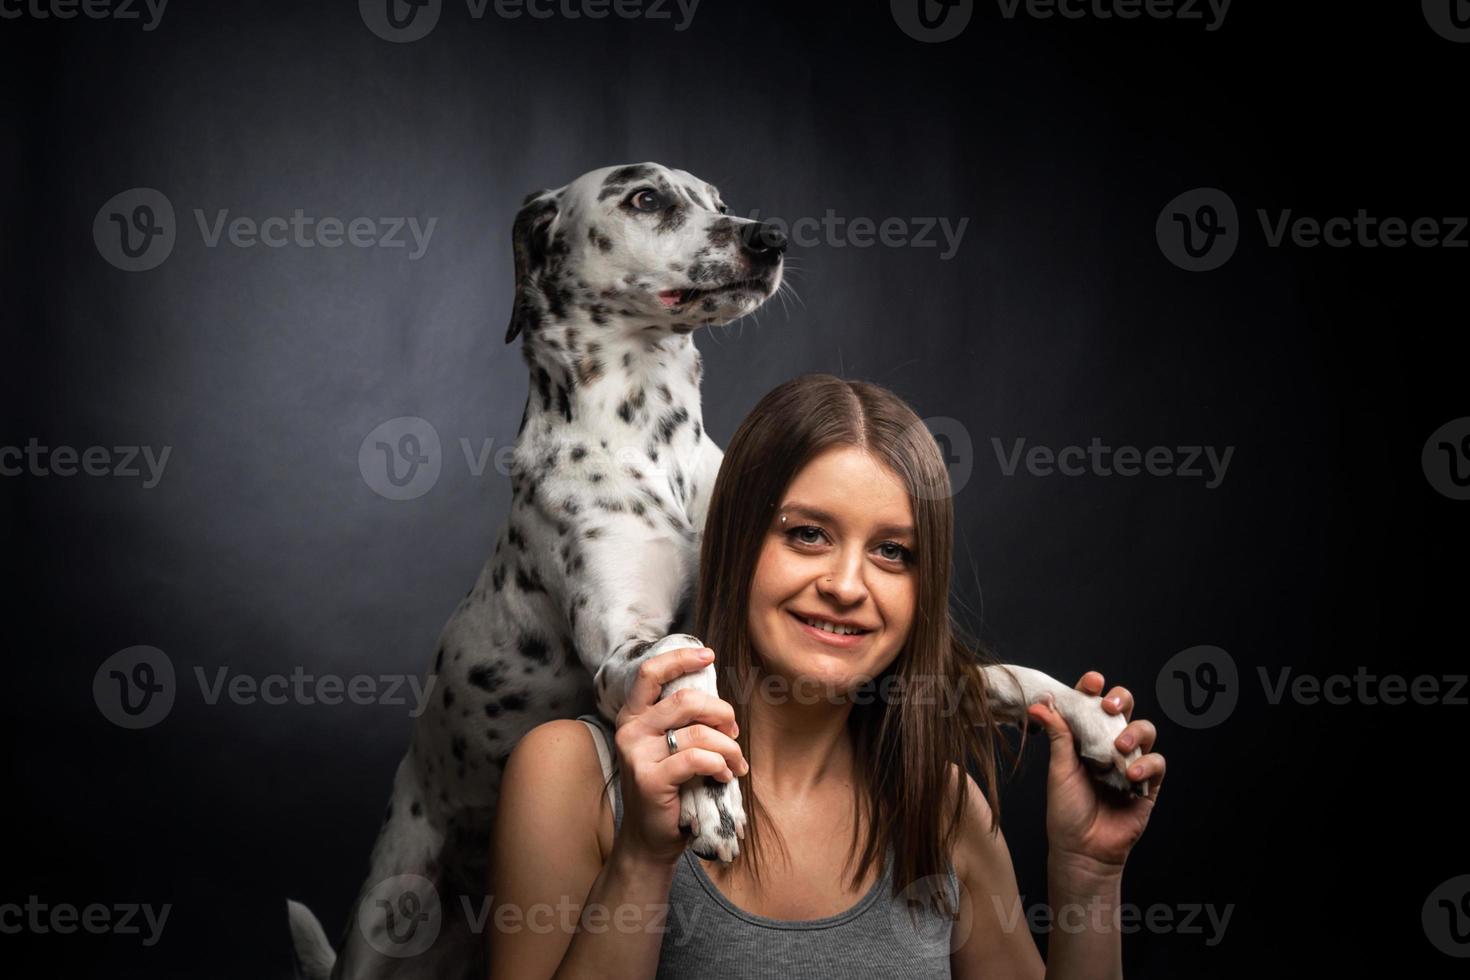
826, 636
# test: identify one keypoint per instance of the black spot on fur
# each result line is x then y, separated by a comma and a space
487, 676
534, 648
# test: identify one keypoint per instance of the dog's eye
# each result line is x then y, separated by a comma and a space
646, 200
724, 210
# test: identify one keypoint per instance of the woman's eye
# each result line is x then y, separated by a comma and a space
798, 533
900, 553
647, 201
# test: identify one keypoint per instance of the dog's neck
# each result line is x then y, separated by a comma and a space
623, 378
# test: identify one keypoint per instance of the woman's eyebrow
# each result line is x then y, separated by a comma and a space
822, 517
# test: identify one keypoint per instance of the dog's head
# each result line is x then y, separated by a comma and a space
640, 245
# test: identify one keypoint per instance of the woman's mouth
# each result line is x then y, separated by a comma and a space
842, 636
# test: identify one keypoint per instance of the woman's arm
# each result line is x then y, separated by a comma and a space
557, 909
992, 933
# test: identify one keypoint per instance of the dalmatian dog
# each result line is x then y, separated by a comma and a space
595, 568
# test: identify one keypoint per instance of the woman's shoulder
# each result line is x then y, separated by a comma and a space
556, 763
975, 843
560, 744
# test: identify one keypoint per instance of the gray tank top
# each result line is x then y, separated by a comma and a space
708, 937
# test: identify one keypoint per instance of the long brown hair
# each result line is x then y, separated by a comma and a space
902, 747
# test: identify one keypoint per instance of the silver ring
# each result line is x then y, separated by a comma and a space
673, 742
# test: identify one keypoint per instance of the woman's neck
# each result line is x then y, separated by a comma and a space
799, 749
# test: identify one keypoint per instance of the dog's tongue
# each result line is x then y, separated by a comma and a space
670, 297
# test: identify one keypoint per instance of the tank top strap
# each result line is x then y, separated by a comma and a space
602, 736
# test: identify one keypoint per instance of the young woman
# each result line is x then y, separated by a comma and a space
852, 752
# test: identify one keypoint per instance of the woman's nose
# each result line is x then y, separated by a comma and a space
844, 583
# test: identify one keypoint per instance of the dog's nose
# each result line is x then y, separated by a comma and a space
764, 240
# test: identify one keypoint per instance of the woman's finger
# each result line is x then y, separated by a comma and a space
688, 705
1124, 704
1091, 683
1139, 734
655, 672
685, 764
700, 736
1150, 768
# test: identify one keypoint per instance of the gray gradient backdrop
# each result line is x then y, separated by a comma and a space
263, 549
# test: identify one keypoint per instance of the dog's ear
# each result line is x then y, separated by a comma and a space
529, 244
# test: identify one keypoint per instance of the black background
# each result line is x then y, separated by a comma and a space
263, 549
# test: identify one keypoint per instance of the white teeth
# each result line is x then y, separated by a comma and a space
831, 627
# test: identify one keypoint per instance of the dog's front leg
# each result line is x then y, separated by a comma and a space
1014, 689
624, 584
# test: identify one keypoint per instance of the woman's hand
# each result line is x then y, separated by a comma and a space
1098, 829
651, 777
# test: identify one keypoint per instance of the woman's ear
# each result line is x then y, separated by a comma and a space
529, 245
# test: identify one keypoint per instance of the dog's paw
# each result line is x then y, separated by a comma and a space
715, 816
1094, 731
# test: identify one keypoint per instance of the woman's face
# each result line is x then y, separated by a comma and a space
843, 555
